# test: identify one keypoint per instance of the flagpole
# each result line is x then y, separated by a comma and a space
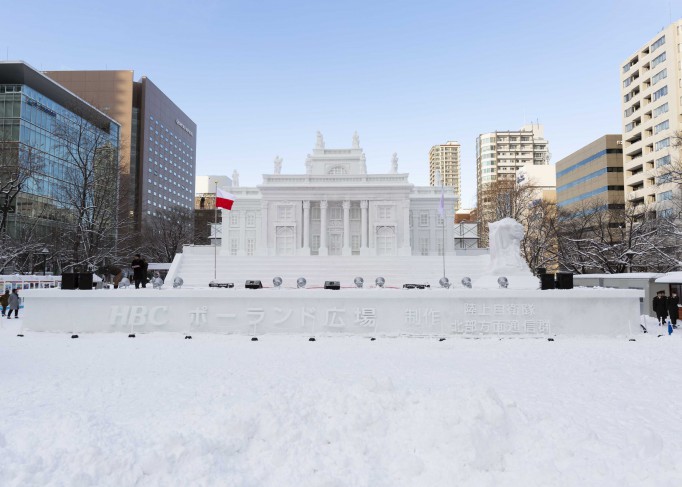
215, 234
442, 192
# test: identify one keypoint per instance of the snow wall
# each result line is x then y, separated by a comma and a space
468, 312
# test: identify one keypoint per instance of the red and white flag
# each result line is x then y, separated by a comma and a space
224, 199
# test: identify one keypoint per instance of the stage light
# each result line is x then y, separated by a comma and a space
466, 282
336, 285
301, 282
503, 282
444, 282
178, 282
359, 281
253, 284
277, 281
226, 285
380, 281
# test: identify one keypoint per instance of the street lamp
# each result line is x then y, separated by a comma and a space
45, 252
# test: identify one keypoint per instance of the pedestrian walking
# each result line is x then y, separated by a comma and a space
13, 304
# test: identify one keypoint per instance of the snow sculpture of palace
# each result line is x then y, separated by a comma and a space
336, 208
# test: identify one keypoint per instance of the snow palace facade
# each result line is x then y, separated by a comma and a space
337, 208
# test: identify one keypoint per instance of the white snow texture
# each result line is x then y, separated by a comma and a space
158, 410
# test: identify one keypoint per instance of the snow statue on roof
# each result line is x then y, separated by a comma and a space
308, 164
320, 141
394, 163
278, 165
363, 164
356, 140
505, 247
235, 179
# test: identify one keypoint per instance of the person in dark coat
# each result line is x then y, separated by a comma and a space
13, 304
4, 301
660, 306
673, 301
139, 271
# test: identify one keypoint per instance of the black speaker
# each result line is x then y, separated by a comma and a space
253, 285
332, 285
416, 286
564, 280
546, 281
226, 285
69, 280
85, 281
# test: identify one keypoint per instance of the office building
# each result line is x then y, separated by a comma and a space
651, 93
38, 120
159, 139
444, 159
591, 178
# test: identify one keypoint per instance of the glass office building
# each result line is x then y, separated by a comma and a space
37, 117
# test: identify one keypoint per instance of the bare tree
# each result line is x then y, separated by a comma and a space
540, 243
504, 198
89, 190
595, 238
168, 230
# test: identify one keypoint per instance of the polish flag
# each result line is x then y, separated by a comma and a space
224, 199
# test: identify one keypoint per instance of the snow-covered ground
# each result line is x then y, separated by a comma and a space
107, 410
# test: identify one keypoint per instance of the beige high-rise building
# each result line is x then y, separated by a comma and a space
652, 113
499, 155
445, 158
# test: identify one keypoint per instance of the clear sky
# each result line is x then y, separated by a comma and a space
261, 77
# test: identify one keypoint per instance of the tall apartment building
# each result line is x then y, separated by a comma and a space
445, 158
652, 113
591, 178
499, 155
159, 139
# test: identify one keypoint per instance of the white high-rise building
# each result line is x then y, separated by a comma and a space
652, 113
444, 159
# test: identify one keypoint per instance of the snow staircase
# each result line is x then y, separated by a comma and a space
196, 267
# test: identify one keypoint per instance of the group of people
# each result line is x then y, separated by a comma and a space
666, 306
139, 266
11, 301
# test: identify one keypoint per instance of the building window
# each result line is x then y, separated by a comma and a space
355, 242
315, 213
250, 246
424, 219
234, 246
658, 43
661, 126
285, 212
660, 93
250, 219
384, 212
657, 60
663, 161
662, 144
659, 76
337, 170
354, 213
423, 245
665, 196
234, 218
315, 242
335, 213
660, 110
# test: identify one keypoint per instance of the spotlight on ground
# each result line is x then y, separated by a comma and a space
74, 336
503, 282
301, 282
178, 282
380, 281
254, 339
311, 339
131, 335
441, 339
372, 339
188, 337
444, 282
359, 281
277, 282
20, 335
466, 282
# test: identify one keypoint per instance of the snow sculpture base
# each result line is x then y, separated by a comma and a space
382, 312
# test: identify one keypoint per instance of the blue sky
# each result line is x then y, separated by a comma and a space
261, 77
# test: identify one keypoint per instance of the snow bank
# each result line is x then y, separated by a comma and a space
222, 410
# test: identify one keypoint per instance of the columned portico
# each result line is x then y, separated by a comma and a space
323, 228
305, 249
364, 250
346, 250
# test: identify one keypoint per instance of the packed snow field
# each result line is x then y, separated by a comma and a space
108, 410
